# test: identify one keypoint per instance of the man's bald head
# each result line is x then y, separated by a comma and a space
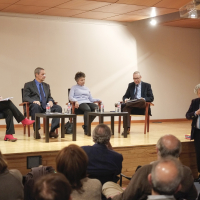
169, 145
166, 176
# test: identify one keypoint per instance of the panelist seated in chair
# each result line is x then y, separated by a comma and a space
38, 94
9, 110
137, 90
83, 99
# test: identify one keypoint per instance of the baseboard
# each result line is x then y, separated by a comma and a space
116, 122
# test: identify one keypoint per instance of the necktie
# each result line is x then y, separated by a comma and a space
135, 95
43, 98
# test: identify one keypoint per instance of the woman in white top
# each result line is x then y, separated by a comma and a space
82, 97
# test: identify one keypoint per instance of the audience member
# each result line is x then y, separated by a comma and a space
72, 161
9, 110
52, 187
11, 187
38, 94
139, 188
165, 178
82, 97
104, 162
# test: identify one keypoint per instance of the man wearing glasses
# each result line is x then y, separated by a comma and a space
140, 92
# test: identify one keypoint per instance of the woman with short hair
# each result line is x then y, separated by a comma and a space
82, 97
72, 161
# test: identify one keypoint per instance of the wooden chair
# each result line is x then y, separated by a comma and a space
27, 115
147, 117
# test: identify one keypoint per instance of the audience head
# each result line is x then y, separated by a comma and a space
197, 90
168, 145
39, 74
3, 164
72, 161
137, 77
52, 187
166, 176
101, 134
80, 78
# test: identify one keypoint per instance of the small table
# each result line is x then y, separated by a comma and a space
108, 114
53, 115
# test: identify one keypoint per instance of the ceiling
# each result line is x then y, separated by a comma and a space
114, 10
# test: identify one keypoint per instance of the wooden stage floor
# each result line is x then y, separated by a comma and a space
136, 137
137, 149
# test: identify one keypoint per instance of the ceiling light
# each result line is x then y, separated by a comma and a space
153, 22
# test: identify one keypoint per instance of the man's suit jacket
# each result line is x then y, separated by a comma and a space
194, 106
31, 92
146, 92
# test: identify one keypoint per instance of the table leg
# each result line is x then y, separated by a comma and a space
62, 127
74, 129
36, 132
89, 121
101, 119
125, 118
47, 129
112, 124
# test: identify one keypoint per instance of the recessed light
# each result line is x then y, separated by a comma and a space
153, 22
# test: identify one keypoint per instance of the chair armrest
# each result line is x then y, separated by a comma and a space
24, 103
120, 179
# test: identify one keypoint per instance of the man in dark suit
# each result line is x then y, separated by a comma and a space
104, 163
193, 114
38, 94
137, 90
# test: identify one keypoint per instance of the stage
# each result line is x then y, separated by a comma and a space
137, 149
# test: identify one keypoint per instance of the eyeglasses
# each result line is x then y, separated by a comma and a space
136, 78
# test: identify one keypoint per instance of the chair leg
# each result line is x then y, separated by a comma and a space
44, 127
146, 118
130, 123
119, 124
57, 131
148, 123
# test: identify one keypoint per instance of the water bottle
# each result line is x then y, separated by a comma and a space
48, 109
118, 107
69, 109
102, 107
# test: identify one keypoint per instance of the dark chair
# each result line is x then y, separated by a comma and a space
140, 112
27, 114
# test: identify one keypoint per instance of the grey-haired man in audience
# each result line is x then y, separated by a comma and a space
139, 187
165, 178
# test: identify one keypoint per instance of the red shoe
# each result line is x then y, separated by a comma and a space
10, 138
27, 122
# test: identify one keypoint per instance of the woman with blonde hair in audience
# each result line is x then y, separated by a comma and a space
72, 161
11, 187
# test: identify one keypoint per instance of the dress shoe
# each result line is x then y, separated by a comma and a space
127, 132
10, 138
53, 135
39, 136
27, 122
197, 179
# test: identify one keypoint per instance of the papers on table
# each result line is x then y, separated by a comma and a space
6, 99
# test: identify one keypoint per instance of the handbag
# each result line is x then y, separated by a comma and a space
68, 128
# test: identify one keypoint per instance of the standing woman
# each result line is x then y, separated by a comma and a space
10, 110
194, 114
82, 97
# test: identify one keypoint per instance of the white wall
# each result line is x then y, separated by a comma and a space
108, 52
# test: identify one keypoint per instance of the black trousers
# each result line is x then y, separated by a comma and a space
87, 107
197, 146
10, 110
35, 108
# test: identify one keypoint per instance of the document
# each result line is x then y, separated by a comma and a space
6, 99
